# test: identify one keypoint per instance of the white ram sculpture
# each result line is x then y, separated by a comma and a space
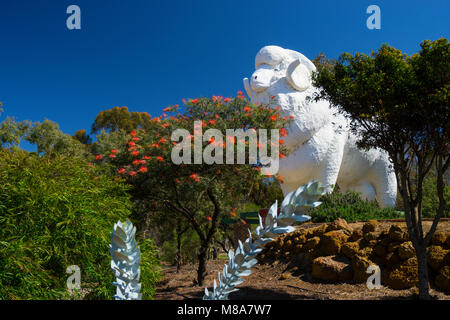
321, 145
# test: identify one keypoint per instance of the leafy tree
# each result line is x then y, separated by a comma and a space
265, 192
430, 202
200, 194
81, 136
12, 131
401, 104
120, 119
106, 141
50, 140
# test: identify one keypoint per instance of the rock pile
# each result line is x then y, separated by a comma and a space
336, 252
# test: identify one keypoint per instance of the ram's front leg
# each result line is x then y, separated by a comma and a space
331, 163
320, 159
299, 167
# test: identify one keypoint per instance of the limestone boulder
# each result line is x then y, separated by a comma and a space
374, 235
393, 246
406, 250
356, 235
398, 233
391, 259
385, 241
366, 252
402, 276
332, 242
300, 239
350, 249
312, 243
320, 230
360, 265
332, 268
312, 254
443, 279
340, 224
436, 257
370, 226
380, 250
440, 238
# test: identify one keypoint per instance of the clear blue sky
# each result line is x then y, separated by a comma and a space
148, 54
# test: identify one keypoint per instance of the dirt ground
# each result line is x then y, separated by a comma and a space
282, 282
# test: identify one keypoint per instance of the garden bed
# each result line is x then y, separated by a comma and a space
288, 278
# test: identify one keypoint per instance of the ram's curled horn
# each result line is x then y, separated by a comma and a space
247, 88
298, 75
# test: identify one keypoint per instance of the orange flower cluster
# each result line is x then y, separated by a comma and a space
195, 177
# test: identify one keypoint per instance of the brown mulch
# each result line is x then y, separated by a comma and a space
282, 282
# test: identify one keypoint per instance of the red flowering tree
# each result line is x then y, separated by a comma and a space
201, 194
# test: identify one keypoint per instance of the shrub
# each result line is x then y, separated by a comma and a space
55, 213
150, 268
189, 247
430, 201
350, 207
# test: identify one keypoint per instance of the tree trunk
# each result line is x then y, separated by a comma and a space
416, 236
201, 271
178, 256
215, 254
421, 251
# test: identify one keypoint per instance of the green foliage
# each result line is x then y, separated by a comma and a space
81, 136
189, 245
401, 104
50, 140
107, 141
350, 207
390, 96
120, 119
198, 194
56, 212
11, 132
150, 268
430, 203
265, 192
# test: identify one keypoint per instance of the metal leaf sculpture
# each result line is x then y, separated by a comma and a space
126, 258
241, 261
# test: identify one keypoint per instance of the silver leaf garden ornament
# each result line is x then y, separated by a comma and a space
292, 210
126, 258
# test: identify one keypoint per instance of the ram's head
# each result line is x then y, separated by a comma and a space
277, 71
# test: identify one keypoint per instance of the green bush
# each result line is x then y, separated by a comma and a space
55, 213
190, 243
150, 268
430, 202
350, 207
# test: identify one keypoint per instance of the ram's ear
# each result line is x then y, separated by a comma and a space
298, 75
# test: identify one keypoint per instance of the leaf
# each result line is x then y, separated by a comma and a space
118, 242
302, 218
117, 255
285, 221
239, 259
